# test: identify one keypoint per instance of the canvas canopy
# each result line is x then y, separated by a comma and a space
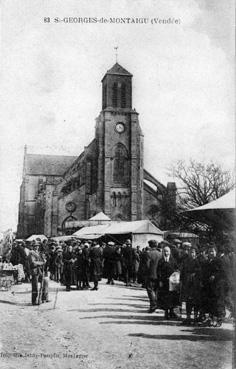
33, 237
225, 202
140, 231
182, 237
220, 212
63, 238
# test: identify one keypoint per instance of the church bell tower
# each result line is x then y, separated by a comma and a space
120, 149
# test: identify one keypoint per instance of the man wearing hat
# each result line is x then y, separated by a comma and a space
185, 248
128, 257
68, 260
96, 264
190, 277
86, 266
153, 257
59, 264
36, 270
109, 255
79, 268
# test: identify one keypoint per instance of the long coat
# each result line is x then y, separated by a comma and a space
128, 256
153, 257
166, 299
214, 282
190, 277
142, 273
68, 258
96, 261
109, 255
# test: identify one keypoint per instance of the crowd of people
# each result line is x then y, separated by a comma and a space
206, 281
173, 273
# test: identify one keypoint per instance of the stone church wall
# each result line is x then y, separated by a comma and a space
152, 206
77, 197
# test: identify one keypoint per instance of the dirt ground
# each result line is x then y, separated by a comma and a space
105, 329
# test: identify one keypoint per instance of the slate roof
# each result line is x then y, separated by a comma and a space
118, 70
51, 165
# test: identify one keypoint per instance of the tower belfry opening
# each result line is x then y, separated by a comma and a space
117, 88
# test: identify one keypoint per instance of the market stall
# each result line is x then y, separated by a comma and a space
221, 212
8, 275
140, 232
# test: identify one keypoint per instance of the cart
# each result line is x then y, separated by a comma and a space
6, 279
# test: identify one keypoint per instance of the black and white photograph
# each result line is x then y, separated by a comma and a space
117, 184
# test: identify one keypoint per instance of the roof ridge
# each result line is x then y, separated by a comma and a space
118, 69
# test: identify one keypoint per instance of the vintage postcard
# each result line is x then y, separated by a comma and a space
117, 184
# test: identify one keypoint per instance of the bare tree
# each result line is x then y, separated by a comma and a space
200, 183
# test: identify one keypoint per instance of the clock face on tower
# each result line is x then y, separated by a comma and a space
120, 127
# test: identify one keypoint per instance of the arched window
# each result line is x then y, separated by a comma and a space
68, 219
120, 164
119, 200
123, 95
113, 199
115, 95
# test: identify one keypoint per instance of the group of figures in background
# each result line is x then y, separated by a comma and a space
174, 274
203, 279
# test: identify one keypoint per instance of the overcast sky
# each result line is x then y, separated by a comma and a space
51, 81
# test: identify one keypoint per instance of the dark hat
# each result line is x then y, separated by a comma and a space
152, 243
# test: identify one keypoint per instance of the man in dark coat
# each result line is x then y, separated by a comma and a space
190, 277
214, 282
86, 265
142, 273
127, 260
79, 268
109, 254
36, 270
153, 257
136, 263
118, 258
68, 260
59, 264
96, 264
168, 300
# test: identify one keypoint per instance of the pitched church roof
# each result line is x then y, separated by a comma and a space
118, 70
51, 165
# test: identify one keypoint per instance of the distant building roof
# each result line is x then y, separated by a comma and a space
54, 165
118, 70
100, 216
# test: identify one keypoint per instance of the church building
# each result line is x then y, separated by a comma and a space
107, 176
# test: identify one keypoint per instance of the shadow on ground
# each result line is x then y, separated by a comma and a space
134, 319
15, 303
196, 334
137, 306
127, 298
106, 309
